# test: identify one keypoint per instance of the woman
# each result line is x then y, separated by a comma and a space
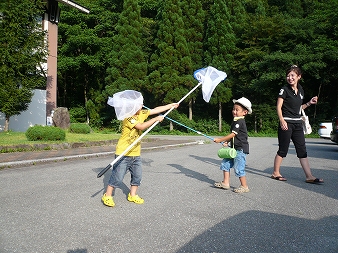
289, 105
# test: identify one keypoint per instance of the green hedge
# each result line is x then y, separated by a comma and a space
45, 133
79, 128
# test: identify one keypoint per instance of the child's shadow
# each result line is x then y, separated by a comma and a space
193, 174
208, 160
106, 176
196, 175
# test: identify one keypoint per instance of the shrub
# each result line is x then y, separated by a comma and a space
45, 133
77, 114
79, 128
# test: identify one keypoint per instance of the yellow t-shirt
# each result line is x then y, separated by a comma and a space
130, 134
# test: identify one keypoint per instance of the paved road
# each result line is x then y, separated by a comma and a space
56, 207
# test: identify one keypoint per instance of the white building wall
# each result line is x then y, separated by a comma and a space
34, 115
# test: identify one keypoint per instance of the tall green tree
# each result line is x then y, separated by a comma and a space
320, 65
22, 50
220, 46
127, 61
84, 44
261, 36
170, 64
193, 19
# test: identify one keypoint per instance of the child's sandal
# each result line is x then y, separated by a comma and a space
221, 185
108, 200
241, 189
136, 199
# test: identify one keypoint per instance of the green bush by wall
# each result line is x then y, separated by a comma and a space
45, 133
79, 128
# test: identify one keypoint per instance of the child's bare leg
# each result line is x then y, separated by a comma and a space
243, 181
133, 189
226, 177
244, 187
109, 191
133, 197
107, 198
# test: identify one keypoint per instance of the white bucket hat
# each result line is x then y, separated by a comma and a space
126, 103
245, 102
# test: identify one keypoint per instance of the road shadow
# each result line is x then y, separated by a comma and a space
208, 160
196, 175
77, 251
295, 175
264, 232
192, 174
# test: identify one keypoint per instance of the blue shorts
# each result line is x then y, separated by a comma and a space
120, 169
238, 163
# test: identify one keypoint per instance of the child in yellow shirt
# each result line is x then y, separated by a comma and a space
132, 128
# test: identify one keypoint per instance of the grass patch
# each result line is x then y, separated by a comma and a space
19, 138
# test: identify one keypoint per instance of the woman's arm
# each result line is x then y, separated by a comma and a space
313, 101
282, 122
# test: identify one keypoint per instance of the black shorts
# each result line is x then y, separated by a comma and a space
294, 133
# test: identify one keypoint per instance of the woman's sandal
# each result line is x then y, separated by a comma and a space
108, 200
315, 181
221, 185
136, 199
279, 178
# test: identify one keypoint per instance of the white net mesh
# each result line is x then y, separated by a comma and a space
210, 77
126, 103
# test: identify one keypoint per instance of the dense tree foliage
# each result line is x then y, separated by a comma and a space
127, 62
164, 42
85, 43
22, 50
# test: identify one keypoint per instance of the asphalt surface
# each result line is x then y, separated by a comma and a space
55, 206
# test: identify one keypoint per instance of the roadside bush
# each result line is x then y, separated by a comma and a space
45, 133
77, 115
79, 128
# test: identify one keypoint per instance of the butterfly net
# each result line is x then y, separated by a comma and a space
210, 77
126, 103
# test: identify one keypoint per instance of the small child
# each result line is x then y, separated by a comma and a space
239, 134
131, 130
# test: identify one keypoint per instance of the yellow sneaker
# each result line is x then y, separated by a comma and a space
136, 199
108, 200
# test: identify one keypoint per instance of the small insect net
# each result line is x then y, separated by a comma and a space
210, 77
126, 103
